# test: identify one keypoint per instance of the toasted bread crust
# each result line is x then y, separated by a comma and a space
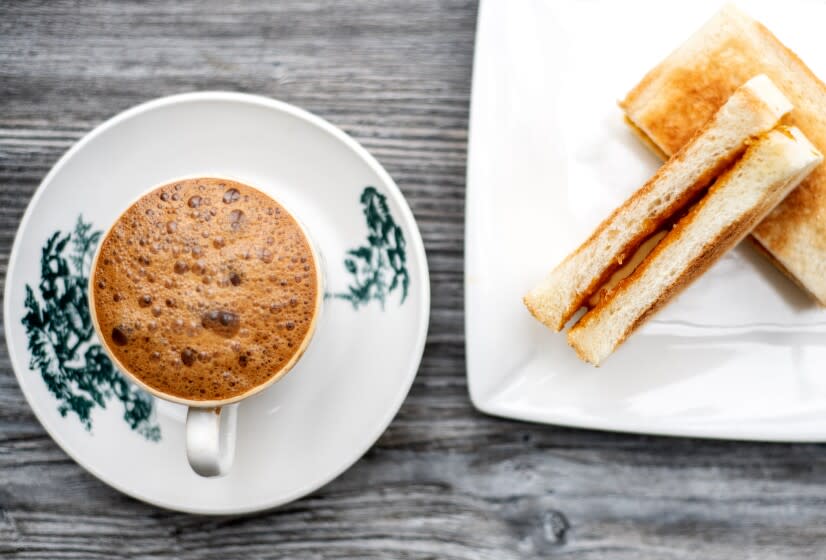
763, 198
751, 110
649, 143
714, 249
678, 95
762, 250
649, 227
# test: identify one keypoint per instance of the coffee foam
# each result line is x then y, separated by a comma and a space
205, 289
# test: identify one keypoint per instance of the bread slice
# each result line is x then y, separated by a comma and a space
752, 109
737, 201
679, 95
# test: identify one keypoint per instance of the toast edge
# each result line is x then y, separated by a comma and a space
762, 97
720, 244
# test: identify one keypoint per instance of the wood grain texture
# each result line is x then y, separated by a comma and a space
444, 481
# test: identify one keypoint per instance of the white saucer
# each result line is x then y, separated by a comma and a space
303, 431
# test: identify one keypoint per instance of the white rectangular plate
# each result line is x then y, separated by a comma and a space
740, 354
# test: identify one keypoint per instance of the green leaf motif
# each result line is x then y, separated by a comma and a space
77, 372
378, 268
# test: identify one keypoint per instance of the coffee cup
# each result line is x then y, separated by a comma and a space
204, 292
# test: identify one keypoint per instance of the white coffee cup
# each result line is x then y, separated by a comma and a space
211, 425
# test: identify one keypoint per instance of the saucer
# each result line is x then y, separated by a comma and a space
298, 434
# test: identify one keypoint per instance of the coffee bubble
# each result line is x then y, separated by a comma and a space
236, 218
232, 195
221, 322
119, 336
265, 256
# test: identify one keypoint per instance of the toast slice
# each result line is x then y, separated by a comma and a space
754, 108
770, 169
679, 95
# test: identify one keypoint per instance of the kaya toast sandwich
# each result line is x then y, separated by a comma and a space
753, 109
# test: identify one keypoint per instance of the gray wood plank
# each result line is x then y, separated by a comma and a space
444, 481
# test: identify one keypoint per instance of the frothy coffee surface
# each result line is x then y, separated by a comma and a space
205, 289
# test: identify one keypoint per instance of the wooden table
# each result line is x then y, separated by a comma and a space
444, 481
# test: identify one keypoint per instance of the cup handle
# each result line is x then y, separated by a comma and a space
210, 439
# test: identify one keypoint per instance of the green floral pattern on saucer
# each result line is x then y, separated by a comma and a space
378, 268
59, 329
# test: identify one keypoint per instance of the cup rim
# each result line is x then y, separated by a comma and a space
214, 403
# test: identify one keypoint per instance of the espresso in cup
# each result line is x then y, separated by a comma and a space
205, 290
